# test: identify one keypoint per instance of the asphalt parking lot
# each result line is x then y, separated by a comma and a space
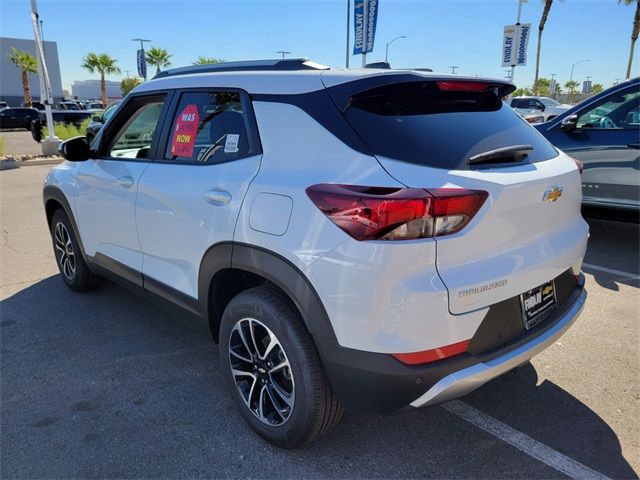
106, 385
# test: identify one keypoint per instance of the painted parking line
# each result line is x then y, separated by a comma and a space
613, 271
522, 442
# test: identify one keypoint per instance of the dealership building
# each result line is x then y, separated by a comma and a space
11, 76
87, 89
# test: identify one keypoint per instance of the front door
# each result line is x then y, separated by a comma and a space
108, 184
607, 141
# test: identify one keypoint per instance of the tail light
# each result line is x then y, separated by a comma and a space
579, 164
383, 213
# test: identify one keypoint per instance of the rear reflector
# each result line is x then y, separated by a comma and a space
389, 213
462, 86
428, 356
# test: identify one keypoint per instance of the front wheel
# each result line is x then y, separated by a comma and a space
273, 370
74, 270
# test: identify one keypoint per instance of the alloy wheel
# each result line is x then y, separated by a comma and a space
261, 371
64, 251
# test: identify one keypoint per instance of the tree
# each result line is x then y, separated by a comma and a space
572, 88
158, 57
522, 91
207, 60
596, 88
27, 64
634, 32
129, 83
541, 87
103, 64
543, 21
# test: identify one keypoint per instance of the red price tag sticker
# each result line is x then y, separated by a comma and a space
185, 131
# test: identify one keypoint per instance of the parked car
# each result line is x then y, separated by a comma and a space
548, 106
297, 210
18, 117
68, 106
69, 117
99, 120
603, 132
93, 106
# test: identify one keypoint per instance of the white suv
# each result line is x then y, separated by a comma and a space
374, 239
548, 107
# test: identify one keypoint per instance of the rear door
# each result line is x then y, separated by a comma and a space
189, 197
607, 141
107, 186
528, 231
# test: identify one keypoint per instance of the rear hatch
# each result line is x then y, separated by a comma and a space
456, 132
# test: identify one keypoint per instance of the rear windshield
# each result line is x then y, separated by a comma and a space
418, 123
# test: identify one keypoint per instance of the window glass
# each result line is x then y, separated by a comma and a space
418, 123
134, 139
209, 127
549, 102
616, 111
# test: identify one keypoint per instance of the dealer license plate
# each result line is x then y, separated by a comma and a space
538, 304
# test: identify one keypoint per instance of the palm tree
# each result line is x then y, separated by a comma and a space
207, 60
158, 57
27, 64
543, 21
572, 89
103, 64
634, 32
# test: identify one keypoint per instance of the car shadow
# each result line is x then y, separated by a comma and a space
104, 384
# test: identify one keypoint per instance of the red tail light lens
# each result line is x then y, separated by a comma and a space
462, 86
383, 213
428, 356
579, 164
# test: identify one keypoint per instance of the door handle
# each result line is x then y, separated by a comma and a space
634, 145
125, 181
217, 197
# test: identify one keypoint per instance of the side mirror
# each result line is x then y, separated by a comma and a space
75, 149
97, 118
570, 123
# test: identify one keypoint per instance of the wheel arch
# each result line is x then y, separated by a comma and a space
54, 199
230, 268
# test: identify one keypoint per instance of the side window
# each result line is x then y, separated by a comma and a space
616, 111
134, 134
210, 127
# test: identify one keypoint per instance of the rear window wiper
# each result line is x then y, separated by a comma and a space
515, 153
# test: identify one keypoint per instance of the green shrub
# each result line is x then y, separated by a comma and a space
65, 131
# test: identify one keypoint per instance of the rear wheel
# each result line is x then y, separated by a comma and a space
74, 270
273, 370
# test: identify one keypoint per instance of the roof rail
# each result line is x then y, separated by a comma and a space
278, 65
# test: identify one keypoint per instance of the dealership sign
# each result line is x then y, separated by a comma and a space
514, 45
365, 17
142, 64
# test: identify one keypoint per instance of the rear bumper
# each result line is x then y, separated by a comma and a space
377, 383
468, 379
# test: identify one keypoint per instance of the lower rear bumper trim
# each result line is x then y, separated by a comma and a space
466, 380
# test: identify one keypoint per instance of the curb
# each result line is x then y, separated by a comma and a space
11, 163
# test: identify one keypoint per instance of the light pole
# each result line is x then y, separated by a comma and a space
346, 61
144, 60
283, 52
573, 66
386, 52
453, 68
552, 87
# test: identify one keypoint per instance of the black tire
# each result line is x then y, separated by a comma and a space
73, 269
315, 407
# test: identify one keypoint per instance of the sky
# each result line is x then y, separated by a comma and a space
439, 33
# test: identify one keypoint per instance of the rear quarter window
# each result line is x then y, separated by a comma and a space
420, 124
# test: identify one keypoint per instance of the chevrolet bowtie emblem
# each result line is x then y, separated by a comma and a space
552, 194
